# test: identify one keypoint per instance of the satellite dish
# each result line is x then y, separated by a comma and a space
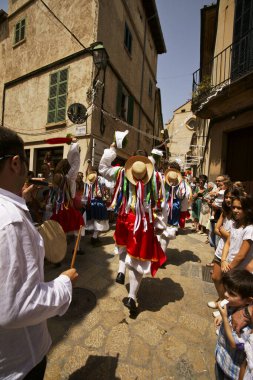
77, 113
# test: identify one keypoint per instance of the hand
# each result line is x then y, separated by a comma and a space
72, 274
218, 320
113, 145
225, 267
223, 310
239, 320
27, 193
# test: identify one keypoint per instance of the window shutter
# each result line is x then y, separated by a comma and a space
130, 112
57, 96
119, 97
22, 30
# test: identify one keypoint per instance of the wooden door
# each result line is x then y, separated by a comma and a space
239, 160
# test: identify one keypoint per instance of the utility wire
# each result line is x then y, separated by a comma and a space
57, 18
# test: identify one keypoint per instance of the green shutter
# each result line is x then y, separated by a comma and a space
130, 112
119, 97
19, 34
57, 96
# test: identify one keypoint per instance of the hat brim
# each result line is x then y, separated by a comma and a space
91, 182
166, 174
128, 169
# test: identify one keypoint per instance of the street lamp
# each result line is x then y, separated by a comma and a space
100, 59
100, 56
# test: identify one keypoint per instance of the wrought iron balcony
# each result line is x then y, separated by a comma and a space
233, 63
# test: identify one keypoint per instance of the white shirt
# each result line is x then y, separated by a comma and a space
237, 236
26, 301
227, 224
73, 158
219, 198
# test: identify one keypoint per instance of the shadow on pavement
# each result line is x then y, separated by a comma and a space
85, 294
83, 301
176, 257
154, 293
97, 367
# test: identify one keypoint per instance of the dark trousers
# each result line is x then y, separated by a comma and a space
219, 374
37, 373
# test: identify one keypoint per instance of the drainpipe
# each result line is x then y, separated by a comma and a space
3, 106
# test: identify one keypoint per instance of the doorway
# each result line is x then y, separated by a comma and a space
240, 157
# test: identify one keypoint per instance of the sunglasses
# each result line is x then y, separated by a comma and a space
22, 158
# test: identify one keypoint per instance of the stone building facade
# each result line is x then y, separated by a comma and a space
223, 89
182, 131
47, 64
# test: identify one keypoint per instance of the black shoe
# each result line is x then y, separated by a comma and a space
120, 279
95, 242
130, 304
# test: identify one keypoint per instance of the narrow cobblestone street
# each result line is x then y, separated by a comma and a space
173, 336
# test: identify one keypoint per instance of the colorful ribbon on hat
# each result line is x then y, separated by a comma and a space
140, 211
117, 190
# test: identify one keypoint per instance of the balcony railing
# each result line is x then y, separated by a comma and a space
231, 64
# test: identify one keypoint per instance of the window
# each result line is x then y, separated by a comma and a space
242, 53
191, 124
125, 104
128, 39
57, 96
19, 31
150, 89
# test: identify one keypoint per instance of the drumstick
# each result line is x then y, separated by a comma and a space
76, 246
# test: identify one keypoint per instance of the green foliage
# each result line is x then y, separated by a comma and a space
203, 87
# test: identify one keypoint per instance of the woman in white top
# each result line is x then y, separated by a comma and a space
222, 229
238, 249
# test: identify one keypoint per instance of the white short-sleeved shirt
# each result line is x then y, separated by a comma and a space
26, 301
227, 224
237, 236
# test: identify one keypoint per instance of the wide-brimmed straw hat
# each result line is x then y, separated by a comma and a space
91, 177
138, 168
172, 177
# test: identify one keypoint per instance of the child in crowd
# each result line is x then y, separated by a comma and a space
230, 351
222, 229
238, 249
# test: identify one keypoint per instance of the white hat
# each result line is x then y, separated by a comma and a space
119, 137
158, 152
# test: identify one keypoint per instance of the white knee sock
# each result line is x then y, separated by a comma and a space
135, 281
95, 234
122, 265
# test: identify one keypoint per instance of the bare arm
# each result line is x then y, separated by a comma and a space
227, 327
218, 225
244, 250
225, 267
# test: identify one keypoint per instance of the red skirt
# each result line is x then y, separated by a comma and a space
141, 245
69, 218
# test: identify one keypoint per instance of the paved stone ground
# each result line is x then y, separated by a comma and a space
172, 337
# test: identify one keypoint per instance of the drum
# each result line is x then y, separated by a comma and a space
55, 241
